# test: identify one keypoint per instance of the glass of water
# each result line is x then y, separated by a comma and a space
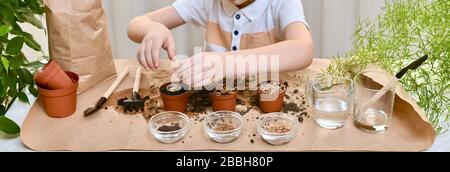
331, 99
375, 116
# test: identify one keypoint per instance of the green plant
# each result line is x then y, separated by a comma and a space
406, 30
15, 70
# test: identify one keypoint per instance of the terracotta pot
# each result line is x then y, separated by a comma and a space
223, 102
176, 103
274, 105
60, 103
52, 77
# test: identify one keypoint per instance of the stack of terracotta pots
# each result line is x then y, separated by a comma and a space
57, 90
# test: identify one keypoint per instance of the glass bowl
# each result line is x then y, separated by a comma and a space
169, 127
277, 128
223, 126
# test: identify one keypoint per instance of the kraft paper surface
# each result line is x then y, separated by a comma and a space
109, 129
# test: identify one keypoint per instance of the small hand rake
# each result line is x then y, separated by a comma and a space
136, 103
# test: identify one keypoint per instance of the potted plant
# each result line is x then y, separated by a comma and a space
404, 31
223, 99
16, 78
271, 96
175, 96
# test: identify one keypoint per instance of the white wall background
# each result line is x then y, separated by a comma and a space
332, 23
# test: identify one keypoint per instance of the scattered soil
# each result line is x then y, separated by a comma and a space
224, 91
300, 119
242, 109
287, 96
291, 107
198, 102
251, 97
296, 106
152, 106
240, 102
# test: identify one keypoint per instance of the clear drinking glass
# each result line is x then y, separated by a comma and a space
331, 99
376, 116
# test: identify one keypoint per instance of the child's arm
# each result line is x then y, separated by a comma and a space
152, 31
295, 53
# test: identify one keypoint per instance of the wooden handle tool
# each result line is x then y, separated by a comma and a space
108, 93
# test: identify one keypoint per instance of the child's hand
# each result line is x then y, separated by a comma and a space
158, 36
201, 69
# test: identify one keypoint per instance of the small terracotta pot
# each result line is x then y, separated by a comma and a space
176, 103
60, 103
52, 77
272, 106
223, 102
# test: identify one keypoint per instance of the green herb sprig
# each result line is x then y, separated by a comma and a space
406, 30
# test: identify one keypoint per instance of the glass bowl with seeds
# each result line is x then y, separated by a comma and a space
223, 126
169, 127
277, 128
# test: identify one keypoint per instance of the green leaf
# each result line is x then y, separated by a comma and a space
12, 3
16, 29
7, 13
36, 6
2, 91
4, 29
3, 74
34, 64
23, 97
31, 42
26, 76
2, 110
33, 91
16, 61
5, 63
29, 17
12, 82
8, 126
15, 45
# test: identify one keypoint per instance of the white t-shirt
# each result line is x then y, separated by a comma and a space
229, 28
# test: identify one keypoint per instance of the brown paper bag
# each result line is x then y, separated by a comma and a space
79, 40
